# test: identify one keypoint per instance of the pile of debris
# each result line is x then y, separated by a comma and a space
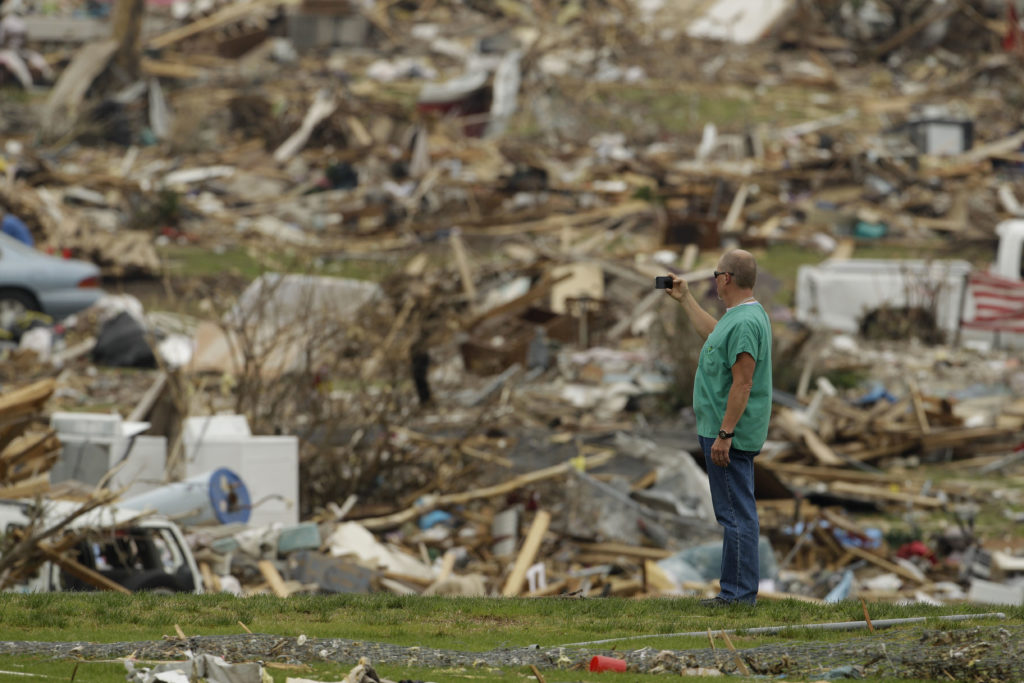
383, 155
488, 419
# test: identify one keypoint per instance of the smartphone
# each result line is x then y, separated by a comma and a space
663, 282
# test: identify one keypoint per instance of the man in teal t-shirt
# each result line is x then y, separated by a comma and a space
732, 400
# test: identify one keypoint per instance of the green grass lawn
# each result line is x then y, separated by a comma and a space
465, 624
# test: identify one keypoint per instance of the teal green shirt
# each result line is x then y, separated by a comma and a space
743, 328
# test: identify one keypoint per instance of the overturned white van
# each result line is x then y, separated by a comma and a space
139, 552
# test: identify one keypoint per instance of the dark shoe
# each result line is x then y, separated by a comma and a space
717, 601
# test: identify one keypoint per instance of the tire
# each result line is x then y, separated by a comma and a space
14, 303
153, 582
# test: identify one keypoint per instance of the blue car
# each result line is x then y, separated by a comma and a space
33, 281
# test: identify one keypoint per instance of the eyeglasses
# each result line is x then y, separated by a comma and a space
721, 272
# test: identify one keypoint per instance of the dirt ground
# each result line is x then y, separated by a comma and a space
977, 654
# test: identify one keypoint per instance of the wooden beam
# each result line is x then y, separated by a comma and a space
527, 554
427, 504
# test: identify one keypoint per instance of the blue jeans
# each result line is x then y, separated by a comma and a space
732, 492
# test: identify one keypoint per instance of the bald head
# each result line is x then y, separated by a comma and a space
742, 265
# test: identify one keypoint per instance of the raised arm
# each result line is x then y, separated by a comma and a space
702, 321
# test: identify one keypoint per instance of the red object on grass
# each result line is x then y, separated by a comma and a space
916, 549
602, 663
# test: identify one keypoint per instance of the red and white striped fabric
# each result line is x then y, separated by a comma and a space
998, 303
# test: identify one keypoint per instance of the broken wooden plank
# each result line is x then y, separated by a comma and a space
274, 578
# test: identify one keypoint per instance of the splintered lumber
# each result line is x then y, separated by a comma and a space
162, 69
211, 582
428, 503
933, 16
60, 111
790, 423
882, 563
324, 104
32, 467
553, 588
519, 304
28, 488
772, 595
960, 436
840, 522
226, 15
620, 588
26, 448
80, 571
881, 493
31, 397
274, 578
373, 363
527, 554
638, 552
741, 666
462, 261
560, 221
447, 565
656, 579
126, 22
919, 412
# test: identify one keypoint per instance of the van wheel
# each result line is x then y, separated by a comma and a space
14, 304
161, 584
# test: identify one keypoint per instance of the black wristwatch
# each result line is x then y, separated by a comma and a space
722, 434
